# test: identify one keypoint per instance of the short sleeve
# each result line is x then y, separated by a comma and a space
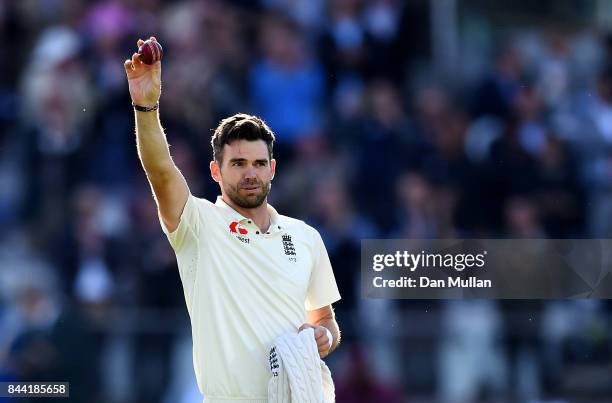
322, 288
184, 240
189, 226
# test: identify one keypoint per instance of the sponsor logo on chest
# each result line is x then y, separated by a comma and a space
239, 232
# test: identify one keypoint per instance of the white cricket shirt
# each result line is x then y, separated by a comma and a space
243, 289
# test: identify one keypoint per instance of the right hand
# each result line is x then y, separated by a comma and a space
144, 80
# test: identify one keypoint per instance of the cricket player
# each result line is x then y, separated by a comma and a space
249, 274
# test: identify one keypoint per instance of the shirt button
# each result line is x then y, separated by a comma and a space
249, 221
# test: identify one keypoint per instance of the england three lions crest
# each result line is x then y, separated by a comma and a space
289, 248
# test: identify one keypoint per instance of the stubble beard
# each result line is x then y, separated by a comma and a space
251, 201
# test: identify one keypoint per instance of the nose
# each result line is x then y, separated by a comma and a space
249, 172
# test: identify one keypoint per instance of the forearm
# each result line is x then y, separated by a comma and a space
152, 145
331, 325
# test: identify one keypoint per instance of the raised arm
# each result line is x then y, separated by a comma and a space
168, 184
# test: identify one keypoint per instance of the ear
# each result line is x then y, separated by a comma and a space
272, 167
215, 171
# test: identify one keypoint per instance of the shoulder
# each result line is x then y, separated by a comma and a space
202, 207
299, 228
199, 203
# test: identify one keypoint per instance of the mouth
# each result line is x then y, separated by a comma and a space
250, 188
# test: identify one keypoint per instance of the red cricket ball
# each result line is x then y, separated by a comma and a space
150, 52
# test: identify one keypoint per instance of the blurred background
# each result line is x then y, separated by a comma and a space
395, 119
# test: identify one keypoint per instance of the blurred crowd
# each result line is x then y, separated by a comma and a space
375, 139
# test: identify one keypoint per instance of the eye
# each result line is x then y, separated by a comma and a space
237, 163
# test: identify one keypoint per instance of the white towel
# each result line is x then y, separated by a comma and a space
298, 374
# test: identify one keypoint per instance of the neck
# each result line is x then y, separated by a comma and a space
259, 215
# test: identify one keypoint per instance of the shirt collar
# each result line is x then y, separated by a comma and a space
275, 224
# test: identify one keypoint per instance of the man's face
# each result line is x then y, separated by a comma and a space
245, 173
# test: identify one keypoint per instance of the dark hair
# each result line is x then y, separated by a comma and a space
240, 127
